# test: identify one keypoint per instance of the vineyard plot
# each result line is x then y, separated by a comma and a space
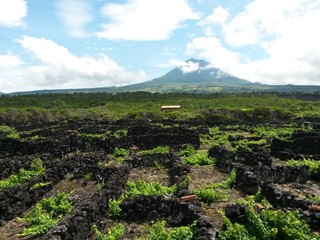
135, 177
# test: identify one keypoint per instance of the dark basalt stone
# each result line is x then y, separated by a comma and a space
301, 144
64, 150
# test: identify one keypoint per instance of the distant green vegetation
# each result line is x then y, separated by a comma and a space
244, 136
283, 132
217, 107
116, 134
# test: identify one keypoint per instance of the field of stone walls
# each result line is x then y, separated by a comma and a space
91, 179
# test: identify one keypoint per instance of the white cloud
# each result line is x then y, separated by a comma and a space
212, 49
262, 19
75, 14
145, 19
12, 12
185, 67
57, 68
9, 60
285, 30
219, 16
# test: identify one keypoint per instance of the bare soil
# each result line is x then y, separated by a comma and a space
310, 188
203, 176
212, 209
11, 229
149, 174
278, 162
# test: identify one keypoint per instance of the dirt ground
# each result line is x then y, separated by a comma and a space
278, 162
203, 176
149, 174
310, 188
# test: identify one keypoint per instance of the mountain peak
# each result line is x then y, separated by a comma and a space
200, 72
200, 62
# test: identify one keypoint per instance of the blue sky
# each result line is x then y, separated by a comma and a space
99, 43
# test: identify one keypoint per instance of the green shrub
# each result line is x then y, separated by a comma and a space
219, 139
23, 175
45, 214
159, 149
314, 165
7, 129
121, 152
196, 158
234, 231
39, 185
158, 232
269, 225
141, 187
10, 131
314, 198
210, 195
216, 192
187, 152
114, 233
159, 167
228, 183
88, 177
114, 208
119, 133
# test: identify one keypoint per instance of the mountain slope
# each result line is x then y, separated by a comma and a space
198, 72
193, 76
